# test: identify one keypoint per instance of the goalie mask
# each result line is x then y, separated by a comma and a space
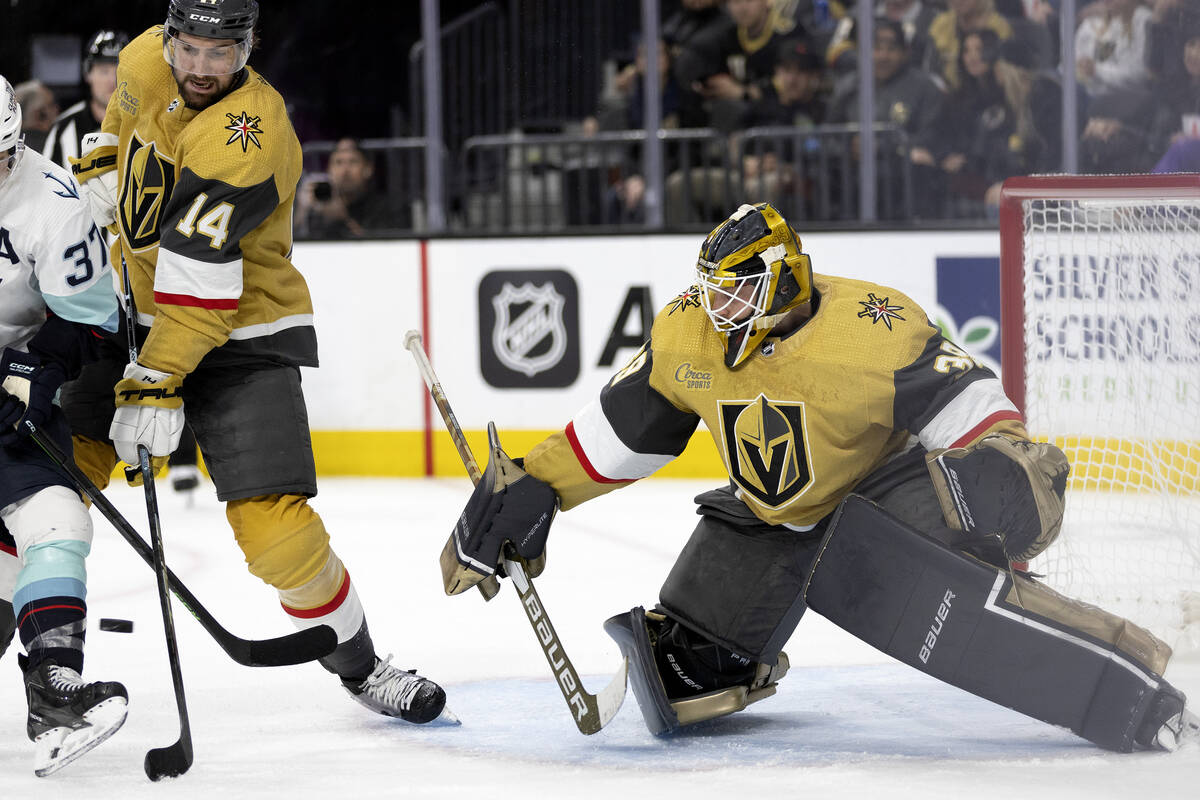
12, 143
750, 273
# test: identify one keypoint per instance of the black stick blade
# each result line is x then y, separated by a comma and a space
169, 762
295, 648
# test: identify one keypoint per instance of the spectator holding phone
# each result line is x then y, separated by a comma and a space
348, 204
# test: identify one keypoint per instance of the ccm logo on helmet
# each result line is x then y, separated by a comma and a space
203, 18
939, 619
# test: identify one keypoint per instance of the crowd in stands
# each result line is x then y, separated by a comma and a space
975, 87
975, 84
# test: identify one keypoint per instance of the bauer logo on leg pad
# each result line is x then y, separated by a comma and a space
939, 619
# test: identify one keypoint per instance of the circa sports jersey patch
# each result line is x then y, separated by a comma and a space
766, 447
880, 310
245, 130
688, 298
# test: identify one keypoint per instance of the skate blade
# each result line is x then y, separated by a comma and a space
445, 719
58, 747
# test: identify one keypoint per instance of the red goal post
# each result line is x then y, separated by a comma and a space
1100, 350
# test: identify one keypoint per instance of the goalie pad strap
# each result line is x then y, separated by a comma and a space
1011, 641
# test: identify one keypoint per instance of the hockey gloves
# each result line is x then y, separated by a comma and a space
28, 392
96, 171
149, 412
508, 507
1010, 488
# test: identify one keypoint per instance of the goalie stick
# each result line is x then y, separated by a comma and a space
591, 711
294, 648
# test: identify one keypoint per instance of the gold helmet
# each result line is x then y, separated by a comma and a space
750, 273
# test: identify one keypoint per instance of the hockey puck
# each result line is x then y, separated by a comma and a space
116, 625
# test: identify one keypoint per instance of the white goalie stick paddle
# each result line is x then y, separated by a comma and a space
591, 711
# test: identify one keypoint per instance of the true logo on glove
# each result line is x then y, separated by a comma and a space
153, 393
79, 168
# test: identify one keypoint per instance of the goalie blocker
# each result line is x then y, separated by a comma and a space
1001, 636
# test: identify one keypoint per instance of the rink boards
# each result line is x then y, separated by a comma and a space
525, 331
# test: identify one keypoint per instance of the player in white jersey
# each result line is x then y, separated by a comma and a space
56, 290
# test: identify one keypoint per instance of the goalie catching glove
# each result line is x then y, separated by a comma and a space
150, 413
508, 507
1010, 488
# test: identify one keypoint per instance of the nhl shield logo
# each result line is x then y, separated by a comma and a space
529, 323
536, 328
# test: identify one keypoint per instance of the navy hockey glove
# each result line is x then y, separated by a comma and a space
508, 506
29, 387
1009, 488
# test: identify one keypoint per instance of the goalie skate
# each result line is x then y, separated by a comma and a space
1183, 728
394, 692
67, 717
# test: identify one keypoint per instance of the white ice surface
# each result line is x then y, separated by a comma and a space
847, 723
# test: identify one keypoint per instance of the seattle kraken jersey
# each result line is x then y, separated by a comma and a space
205, 218
800, 422
52, 254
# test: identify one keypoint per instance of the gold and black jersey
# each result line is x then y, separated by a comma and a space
205, 218
798, 424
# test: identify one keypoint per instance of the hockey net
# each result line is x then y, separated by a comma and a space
1100, 287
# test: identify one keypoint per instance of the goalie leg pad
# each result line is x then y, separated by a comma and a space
738, 582
1008, 640
632, 632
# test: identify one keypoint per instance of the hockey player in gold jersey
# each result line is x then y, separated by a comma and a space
196, 167
877, 474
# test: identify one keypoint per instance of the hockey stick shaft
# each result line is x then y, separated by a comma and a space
294, 648
172, 761
591, 712
176, 759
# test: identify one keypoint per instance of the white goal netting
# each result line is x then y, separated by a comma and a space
1112, 375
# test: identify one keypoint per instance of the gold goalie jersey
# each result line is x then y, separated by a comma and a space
205, 217
800, 422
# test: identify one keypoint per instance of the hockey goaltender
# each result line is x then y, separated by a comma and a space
877, 474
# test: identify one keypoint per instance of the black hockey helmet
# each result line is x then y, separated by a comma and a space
105, 45
210, 19
213, 19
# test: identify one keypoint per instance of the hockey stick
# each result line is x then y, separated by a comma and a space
176, 759
592, 711
294, 648
172, 761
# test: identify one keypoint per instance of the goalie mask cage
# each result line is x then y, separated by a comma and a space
1100, 326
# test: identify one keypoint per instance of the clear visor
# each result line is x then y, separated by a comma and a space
224, 59
733, 302
10, 159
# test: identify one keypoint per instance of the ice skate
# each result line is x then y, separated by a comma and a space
68, 717
1183, 728
394, 692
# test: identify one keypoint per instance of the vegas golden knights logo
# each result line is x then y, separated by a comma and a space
149, 179
766, 449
